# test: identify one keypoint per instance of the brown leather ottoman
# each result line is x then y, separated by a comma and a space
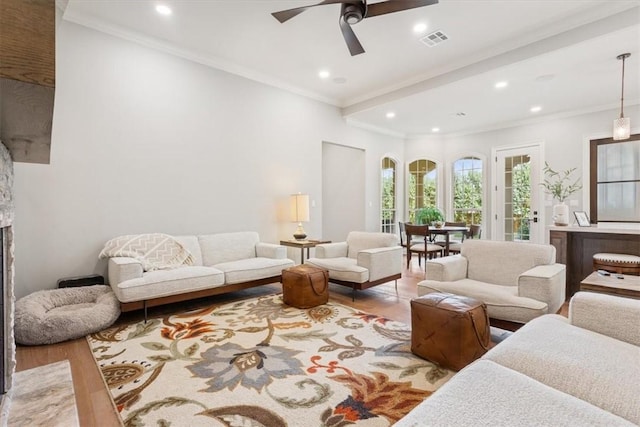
450, 330
305, 286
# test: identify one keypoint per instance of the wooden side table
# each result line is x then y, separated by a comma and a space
302, 244
627, 287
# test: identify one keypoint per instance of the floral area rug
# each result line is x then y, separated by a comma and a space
260, 362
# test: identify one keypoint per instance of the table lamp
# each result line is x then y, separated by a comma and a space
300, 213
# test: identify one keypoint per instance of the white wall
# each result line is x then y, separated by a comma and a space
147, 142
343, 178
565, 141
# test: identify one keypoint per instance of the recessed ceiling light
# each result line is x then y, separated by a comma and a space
535, 108
420, 28
324, 74
435, 130
391, 115
501, 85
163, 10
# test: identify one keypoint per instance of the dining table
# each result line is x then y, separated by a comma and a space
447, 230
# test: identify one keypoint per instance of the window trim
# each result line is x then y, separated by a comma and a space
395, 192
593, 173
451, 184
439, 183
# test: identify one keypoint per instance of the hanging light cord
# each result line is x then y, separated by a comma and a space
624, 56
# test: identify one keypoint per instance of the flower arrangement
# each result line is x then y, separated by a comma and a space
558, 184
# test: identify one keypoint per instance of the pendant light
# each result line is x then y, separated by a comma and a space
622, 125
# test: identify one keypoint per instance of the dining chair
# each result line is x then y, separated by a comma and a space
403, 239
403, 235
424, 247
475, 230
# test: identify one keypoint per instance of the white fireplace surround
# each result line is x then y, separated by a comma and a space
6, 220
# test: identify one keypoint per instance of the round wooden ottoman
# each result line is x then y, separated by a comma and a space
617, 263
450, 330
305, 286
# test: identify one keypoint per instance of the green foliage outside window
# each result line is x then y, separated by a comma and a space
467, 190
422, 188
388, 208
521, 193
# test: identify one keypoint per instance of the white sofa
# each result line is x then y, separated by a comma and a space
222, 263
517, 281
581, 371
364, 260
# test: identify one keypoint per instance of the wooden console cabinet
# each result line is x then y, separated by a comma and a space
576, 246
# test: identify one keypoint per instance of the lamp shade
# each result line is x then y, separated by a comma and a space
621, 128
300, 207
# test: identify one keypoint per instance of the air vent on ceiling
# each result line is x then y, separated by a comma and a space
434, 38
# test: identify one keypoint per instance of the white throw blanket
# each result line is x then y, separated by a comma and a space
155, 251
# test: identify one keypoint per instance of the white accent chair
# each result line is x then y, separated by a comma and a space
517, 281
364, 260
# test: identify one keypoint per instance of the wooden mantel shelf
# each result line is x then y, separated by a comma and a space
27, 41
27, 78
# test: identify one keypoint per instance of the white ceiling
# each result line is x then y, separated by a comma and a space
560, 55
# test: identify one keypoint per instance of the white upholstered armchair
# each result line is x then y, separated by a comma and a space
517, 281
364, 260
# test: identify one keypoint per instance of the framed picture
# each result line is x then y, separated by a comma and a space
582, 218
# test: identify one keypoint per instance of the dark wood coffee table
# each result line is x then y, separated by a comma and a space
628, 287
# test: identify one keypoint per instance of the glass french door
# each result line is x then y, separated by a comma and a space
517, 189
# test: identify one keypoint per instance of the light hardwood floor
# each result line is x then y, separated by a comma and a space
94, 404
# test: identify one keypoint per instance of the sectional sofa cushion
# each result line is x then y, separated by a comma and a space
192, 245
488, 394
225, 247
503, 302
245, 270
592, 367
343, 268
358, 241
162, 283
484, 255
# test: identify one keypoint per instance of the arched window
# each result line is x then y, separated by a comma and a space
388, 185
422, 188
467, 190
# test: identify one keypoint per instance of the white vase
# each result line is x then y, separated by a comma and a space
561, 214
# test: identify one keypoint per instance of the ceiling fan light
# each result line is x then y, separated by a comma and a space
352, 18
352, 14
621, 128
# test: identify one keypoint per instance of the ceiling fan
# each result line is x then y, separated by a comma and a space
354, 11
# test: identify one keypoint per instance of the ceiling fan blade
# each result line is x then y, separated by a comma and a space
355, 48
391, 6
285, 15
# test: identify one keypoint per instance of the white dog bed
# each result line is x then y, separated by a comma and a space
51, 316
